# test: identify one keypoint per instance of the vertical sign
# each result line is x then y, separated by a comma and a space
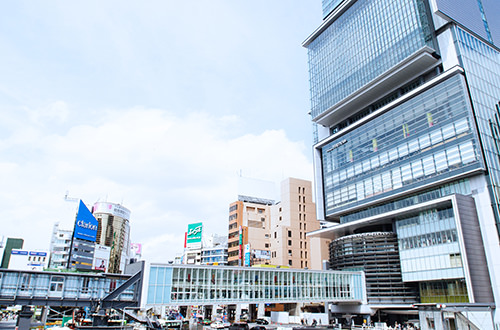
247, 255
240, 241
193, 237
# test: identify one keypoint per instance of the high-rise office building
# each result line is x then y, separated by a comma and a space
113, 230
406, 114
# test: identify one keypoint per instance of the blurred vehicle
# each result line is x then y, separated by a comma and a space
258, 327
262, 321
239, 326
217, 325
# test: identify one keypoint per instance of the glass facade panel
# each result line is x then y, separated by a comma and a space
482, 64
329, 6
428, 246
197, 285
411, 137
454, 291
458, 187
383, 33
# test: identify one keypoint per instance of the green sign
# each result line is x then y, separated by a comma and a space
194, 232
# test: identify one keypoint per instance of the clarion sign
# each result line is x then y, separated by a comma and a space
86, 225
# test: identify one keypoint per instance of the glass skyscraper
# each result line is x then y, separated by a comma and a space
405, 104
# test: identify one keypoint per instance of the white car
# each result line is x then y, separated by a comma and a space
217, 325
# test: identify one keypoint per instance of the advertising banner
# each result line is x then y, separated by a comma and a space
111, 208
261, 254
101, 257
85, 224
247, 255
135, 250
82, 254
193, 238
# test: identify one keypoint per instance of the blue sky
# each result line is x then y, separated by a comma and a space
158, 105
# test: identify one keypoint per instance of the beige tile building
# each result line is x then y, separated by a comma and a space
274, 233
251, 217
291, 219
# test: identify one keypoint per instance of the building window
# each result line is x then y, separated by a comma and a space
275, 235
301, 245
300, 216
290, 242
56, 283
455, 260
300, 226
85, 285
304, 199
266, 245
289, 233
305, 246
300, 208
262, 219
299, 190
305, 227
300, 235
289, 252
301, 255
289, 262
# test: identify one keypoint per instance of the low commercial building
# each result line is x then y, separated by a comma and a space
60, 245
265, 232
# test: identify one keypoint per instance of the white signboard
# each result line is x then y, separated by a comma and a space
101, 257
111, 208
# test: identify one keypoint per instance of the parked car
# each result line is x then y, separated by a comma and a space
239, 326
262, 321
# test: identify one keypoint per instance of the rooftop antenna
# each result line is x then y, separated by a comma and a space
70, 199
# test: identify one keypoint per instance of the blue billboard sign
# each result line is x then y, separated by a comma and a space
85, 224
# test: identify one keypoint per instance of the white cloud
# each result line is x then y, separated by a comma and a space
56, 112
169, 170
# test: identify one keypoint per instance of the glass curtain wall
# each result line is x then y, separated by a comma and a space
482, 66
198, 285
368, 39
429, 137
429, 246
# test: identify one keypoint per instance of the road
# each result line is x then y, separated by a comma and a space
7, 324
